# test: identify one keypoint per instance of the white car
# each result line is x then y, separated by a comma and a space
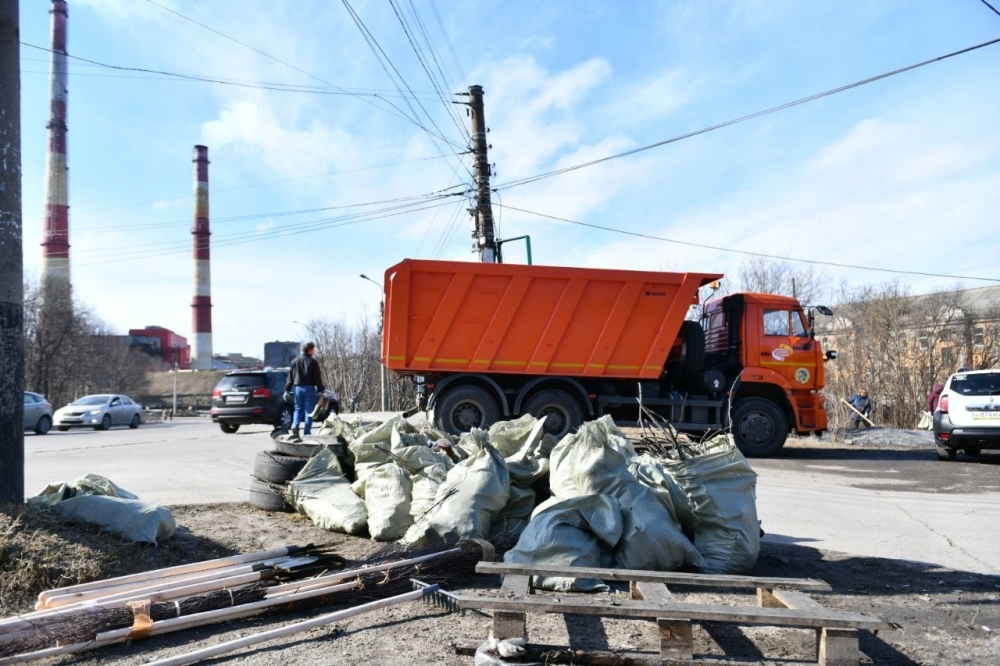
99, 412
968, 414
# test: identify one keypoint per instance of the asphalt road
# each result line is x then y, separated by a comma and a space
898, 504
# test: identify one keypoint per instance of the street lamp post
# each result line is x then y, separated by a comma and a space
381, 332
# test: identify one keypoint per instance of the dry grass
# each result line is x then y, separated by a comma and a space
39, 551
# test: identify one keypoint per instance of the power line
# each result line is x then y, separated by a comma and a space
748, 252
751, 116
991, 7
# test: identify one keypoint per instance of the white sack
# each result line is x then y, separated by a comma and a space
387, 498
321, 492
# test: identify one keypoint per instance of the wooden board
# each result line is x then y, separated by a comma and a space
707, 612
507, 624
676, 636
665, 577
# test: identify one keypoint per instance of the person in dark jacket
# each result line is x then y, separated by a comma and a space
861, 403
934, 398
305, 380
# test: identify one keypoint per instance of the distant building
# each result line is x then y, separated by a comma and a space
235, 362
280, 354
163, 344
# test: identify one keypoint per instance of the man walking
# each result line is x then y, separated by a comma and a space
305, 380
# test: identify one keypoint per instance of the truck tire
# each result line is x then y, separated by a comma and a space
463, 408
759, 427
687, 366
268, 496
563, 412
276, 467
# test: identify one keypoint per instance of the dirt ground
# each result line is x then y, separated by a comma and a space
944, 616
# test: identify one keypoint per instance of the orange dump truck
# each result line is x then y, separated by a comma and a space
492, 341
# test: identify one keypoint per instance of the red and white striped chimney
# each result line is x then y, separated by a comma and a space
55, 245
201, 350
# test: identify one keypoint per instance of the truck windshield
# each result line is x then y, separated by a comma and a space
785, 323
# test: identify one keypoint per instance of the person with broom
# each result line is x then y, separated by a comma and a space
305, 380
862, 408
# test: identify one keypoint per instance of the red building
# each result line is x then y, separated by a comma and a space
162, 343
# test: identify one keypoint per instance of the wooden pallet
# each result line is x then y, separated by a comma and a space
780, 602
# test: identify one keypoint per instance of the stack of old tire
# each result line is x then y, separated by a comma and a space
272, 470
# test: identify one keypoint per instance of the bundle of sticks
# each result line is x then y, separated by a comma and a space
91, 615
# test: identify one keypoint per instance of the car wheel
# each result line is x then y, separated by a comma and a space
284, 421
62, 428
229, 428
759, 427
945, 453
44, 425
135, 422
105, 423
973, 451
463, 408
562, 413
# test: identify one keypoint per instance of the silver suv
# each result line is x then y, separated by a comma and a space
968, 414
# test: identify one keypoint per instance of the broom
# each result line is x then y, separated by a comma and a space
373, 581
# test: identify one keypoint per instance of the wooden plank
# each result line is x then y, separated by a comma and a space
676, 638
709, 612
665, 577
512, 624
838, 647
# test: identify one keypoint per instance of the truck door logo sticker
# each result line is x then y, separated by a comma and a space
781, 352
802, 375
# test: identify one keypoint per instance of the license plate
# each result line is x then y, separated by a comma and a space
986, 415
236, 399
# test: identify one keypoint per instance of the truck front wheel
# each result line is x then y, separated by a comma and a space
463, 408
759, 427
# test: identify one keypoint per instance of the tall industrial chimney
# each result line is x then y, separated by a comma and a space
201, 350
55, 245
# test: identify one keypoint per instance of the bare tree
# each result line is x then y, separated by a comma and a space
772, 276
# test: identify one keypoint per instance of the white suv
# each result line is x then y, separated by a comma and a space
968, 414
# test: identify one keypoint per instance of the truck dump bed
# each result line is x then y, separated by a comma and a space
444, 316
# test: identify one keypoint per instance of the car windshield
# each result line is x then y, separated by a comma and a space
91, 400
242, 381
981, 384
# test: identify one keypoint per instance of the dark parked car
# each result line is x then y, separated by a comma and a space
256, 396
37, 413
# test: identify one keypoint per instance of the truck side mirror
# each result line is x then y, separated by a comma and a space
823, 310
830, 355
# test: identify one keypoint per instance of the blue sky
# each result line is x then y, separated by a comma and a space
902, 173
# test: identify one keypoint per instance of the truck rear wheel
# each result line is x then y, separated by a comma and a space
759, 427
463, 408
562, 412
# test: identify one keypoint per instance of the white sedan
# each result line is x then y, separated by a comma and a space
99, 412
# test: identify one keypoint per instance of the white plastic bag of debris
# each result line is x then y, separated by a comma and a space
577, 532
652, 474
388, 491
132, 519
323, 493
475, 491
721, 486
593, 461
425, 487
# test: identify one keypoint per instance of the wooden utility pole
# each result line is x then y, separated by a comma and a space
11, 266
484, 235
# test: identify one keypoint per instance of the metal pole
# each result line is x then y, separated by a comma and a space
383, 373
11, 263
173, 410
527, 244
485, 236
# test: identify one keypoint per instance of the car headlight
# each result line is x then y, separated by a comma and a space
95, 411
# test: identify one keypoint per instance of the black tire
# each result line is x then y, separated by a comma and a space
228, 428
44, 424
692, 357
134, 423
268, 496
759, 427
463, 408
284, 420
563, 413
105, 423
946, 453
297, 450
277, 467
63, 428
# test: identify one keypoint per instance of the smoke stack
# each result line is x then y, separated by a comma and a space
55, 246
201, 350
